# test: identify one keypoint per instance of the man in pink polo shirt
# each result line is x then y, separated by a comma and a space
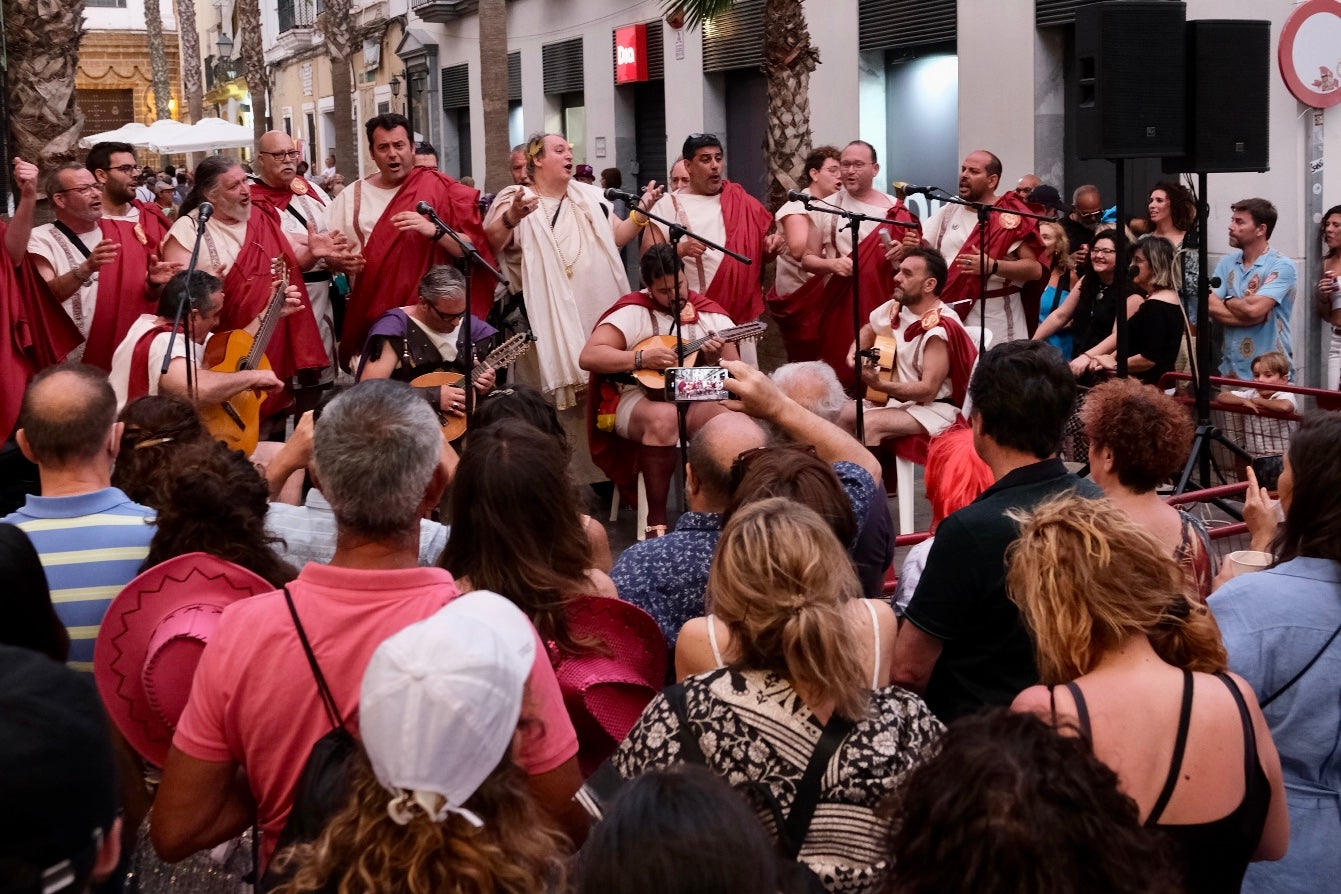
254, 702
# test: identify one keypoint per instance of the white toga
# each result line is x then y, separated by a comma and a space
125, 352
935, 416
573, 233
57, 250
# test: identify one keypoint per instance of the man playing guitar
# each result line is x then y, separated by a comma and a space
613, 352
407, 342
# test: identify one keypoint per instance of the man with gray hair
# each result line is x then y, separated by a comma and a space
379, 454
814, 385
427, 336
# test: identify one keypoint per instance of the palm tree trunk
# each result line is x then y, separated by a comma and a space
158, 59
253, 63
336, 26
189, 48
42, 37
789, 58
494, 89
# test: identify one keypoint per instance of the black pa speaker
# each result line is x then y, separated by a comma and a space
1228, 97
1130, 85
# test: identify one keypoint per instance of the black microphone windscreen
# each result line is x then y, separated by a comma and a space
206, 211
795, 195
424, 208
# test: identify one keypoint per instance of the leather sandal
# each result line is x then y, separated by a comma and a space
651, 532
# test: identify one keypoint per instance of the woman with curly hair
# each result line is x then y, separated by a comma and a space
1139, 438
156, 428
217, 505
1172, 212
1009, 805
1144, 680
794, 689
443, 811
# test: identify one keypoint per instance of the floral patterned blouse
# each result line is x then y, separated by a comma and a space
755, 732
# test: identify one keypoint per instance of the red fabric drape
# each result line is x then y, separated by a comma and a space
280, 196
735, 286
138, 386
963, 285
123, 293
35, 332
396, 260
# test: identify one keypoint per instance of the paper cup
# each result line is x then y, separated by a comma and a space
1246, 560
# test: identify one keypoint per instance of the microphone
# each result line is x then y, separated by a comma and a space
431, 213
205, 212
615, 195
795, 195
909, 189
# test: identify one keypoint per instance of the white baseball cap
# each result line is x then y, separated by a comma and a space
440, 703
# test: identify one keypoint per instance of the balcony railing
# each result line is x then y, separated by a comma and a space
297, 14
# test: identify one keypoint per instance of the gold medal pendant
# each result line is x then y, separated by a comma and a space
569, 271
139, 234
688, 313
299, 186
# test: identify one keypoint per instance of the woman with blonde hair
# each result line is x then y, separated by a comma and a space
1143, 669
1059, 282
794, 700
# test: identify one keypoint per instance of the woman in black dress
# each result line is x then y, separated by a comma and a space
1156, 328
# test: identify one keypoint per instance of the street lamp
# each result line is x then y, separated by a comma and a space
225, 46
395, 90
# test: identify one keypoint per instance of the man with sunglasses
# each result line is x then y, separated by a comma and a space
1083, 220
114, 167
427, 336
104, 272
724, 212
302, 208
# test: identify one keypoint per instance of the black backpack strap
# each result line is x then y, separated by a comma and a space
690, 751
327, 700
1295, 679
792, 834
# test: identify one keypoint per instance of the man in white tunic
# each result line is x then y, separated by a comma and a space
933, 357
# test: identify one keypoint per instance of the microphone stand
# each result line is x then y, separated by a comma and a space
471, 256
854, 219
985, 212
183, 319
677, 233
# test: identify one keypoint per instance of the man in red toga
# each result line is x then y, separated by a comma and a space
1010, 259
103, 271
240, 243
398, 244
724, 212
113, 165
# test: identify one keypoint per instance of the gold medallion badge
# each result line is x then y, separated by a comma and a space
1009, 221
139, 234
931, 319
299, 186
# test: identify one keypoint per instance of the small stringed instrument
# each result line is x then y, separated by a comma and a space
655, 379
886, 366
500, 357
237, 421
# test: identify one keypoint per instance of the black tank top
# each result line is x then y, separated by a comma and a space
1213, 855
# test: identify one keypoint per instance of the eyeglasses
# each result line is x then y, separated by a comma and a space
852, 165
290, 155
1103, 251
741, 466
451, 319
1090, 215
124, 169
88, 189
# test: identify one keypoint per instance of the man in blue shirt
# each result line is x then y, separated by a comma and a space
90, 536
1256, 292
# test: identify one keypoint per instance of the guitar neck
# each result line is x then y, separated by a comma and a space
269, 323
735, 333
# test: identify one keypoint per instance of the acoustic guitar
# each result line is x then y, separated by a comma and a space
500, 357
655, 379
886, 366
237, 421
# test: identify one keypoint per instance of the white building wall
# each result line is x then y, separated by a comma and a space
833, 31
996, 103
129, 18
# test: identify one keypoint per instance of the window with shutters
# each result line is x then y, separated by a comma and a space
732, 40
904, 24
562, 64
456, 86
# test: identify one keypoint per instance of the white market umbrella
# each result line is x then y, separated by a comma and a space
206, 135
135, 133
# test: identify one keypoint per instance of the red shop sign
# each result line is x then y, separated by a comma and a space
630, 54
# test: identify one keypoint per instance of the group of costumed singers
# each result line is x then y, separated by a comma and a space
557, 241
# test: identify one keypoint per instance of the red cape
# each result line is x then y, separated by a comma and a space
396, 260
735, 286
35, 332
153, 222
247, 290
123, 293
620, 464
278, 196
815, 321
964, 285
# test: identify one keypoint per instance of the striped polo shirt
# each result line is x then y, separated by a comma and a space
91, 545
